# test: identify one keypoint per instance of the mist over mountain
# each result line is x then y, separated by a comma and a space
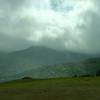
72, 25
49, 38
35, 58
43, 62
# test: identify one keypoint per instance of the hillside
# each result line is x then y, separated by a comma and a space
86, 67
34, 58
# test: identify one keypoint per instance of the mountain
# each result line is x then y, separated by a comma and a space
35, 58
88, 67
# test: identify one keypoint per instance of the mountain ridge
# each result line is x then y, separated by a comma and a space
33, 58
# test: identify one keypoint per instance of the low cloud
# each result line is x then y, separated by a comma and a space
59, 24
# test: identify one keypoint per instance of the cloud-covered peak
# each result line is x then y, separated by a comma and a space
59, 24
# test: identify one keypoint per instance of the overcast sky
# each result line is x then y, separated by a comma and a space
60, 24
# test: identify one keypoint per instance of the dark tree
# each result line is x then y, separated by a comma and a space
27, 78
98, 73
87, 75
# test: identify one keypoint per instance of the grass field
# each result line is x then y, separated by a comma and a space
83, 88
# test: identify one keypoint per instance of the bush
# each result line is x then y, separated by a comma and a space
98, 73
27, 78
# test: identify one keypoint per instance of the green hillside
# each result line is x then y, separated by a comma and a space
52, 89
86, 67
37, 61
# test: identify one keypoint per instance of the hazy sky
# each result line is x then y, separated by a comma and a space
59, 24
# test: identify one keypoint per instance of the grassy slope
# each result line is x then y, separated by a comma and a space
52, 89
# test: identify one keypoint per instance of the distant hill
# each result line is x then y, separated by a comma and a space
86, 67
35, 58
